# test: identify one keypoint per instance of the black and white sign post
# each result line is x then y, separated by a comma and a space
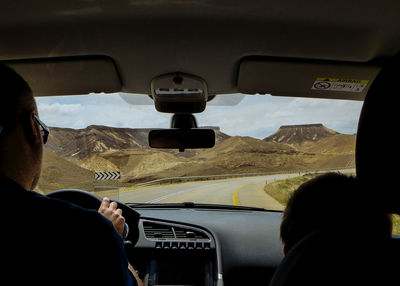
104, 176
110, 190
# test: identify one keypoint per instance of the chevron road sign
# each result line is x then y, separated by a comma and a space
103, 176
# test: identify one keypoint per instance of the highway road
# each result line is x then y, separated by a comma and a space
245, 191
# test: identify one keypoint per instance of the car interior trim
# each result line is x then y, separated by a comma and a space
290, 77
69, 75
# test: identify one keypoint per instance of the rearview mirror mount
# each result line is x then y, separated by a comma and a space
179, 93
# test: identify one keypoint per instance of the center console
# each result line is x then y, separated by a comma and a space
175, 254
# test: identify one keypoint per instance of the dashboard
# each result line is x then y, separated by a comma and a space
196, 246
201, 247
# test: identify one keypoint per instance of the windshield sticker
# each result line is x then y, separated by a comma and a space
339, 84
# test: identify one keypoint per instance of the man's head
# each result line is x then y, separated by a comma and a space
21, 145
330, 200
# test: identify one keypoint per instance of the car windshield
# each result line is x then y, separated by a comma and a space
265, 146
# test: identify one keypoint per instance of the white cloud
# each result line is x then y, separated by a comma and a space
63, 109
256, 116
261, 116
109, 110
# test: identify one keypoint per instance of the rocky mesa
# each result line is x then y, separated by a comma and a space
298, 134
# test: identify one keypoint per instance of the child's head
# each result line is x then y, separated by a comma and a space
329, 199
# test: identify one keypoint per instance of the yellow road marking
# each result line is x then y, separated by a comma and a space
235, 198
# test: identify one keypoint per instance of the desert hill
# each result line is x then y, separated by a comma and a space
335, 144
240, 144
219, 135
233, 155
96, 139
61, 173
298, 134
76, 154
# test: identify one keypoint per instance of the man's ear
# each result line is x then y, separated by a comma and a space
31, 128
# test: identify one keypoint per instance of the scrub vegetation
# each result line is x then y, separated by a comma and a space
282, 189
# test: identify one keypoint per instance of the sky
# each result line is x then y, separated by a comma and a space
257, 116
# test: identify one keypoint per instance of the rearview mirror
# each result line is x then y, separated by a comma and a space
182, 138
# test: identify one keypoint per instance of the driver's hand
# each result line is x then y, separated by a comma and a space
111, 211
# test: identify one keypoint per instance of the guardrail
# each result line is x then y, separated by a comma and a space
176, 180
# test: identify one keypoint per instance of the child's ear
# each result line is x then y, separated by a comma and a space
284, 250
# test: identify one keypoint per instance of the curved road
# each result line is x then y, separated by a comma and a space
247, 191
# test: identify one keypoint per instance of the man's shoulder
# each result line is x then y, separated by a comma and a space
69, 216
63, 209
59, 238
51, 215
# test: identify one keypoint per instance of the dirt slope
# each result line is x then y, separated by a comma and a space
59, 173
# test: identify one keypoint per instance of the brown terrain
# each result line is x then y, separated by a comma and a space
72, 156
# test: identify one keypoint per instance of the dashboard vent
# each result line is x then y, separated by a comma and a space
189, 233
155, 230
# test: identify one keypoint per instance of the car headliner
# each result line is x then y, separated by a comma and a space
206, 38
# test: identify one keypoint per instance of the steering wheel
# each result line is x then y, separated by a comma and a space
89, 200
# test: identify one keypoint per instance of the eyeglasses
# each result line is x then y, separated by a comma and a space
44, 129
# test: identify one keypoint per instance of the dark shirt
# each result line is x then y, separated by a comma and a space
46, 241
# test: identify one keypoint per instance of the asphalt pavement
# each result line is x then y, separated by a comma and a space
247, 191
244, 191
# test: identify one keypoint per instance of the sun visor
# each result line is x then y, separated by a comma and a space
306, 79
69, 75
